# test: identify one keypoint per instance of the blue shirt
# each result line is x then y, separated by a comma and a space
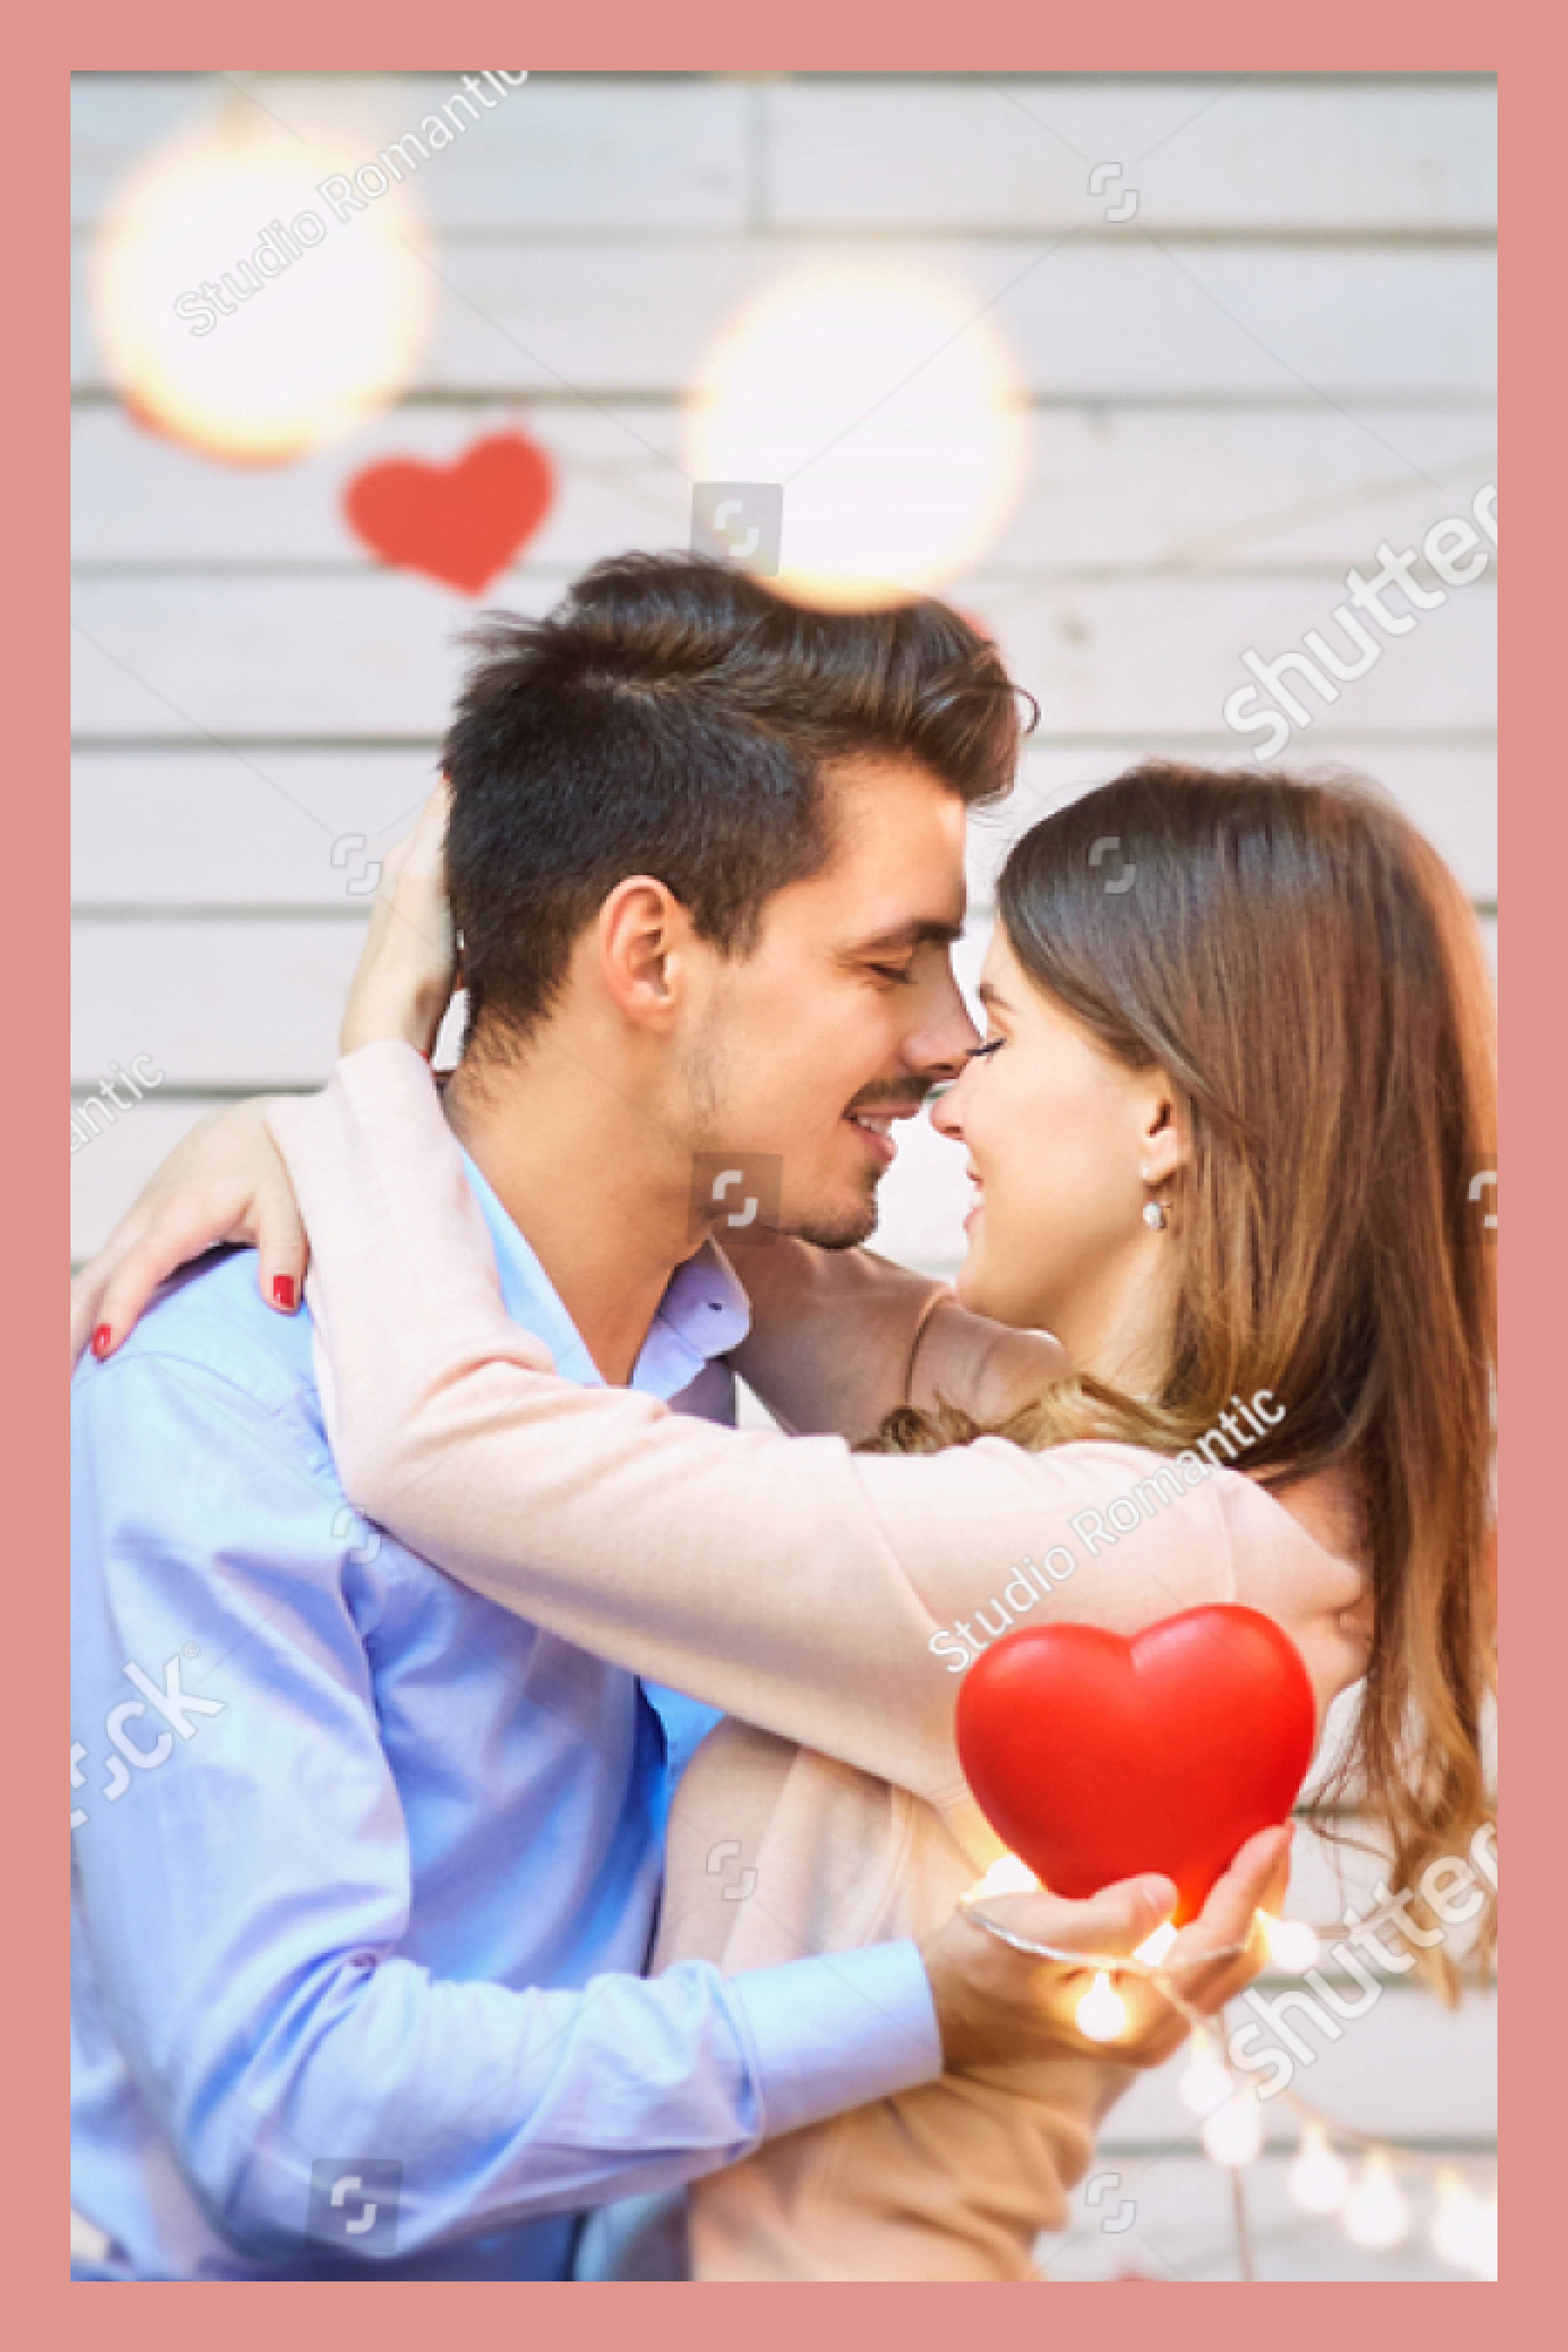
366, 1869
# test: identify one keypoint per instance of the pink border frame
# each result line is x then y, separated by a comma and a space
912, 37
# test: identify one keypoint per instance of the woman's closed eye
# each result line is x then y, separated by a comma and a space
982, 1053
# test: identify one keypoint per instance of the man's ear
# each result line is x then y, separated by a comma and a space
643, 936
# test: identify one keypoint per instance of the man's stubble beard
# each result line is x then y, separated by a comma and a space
703, 1067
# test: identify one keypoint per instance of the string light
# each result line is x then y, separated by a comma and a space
1101, 2013
240, 310
1319, 2178
1373, 2210
1464, 2228
1007, 1875
1376, 2214
891, 493
1232, 2134
1205, 2083
1293, 1945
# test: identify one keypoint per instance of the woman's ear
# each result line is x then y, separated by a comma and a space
1165, 1143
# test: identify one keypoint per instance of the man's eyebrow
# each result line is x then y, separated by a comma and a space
924, 932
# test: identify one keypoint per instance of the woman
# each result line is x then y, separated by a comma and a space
1294, 985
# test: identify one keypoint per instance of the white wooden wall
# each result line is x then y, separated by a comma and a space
1286, 359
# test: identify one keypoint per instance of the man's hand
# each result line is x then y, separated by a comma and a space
996, 2005
223, 1182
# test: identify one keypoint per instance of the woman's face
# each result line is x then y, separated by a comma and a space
1057, 1134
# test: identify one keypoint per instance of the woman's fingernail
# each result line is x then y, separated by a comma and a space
283, 1291
102, 1340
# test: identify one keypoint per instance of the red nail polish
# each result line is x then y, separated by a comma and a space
283, 1290
102, 1340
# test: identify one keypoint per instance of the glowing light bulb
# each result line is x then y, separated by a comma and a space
243, 311
1153, 1948
1206, 2082
1234, 2132
1320, 2178
1103, 2012
1293, 1945
1376, 2214
890, 407
1464, 2228
1007, 1875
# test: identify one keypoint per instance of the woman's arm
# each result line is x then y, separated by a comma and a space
839, 1338
783, 1579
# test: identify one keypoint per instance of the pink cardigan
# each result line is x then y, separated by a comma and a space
798, 1586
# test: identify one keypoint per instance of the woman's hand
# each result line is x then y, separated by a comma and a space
995, 2005
404, 981
223, 1182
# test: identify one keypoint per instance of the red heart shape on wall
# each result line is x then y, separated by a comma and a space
1098, 1758
460, 523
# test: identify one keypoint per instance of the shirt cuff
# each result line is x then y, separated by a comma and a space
836, 2033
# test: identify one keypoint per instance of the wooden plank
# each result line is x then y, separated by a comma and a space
1122, 319
1448, 790
203, 828
212, 1002
1205, 153
640, 152
1407, 2066
199, 827
168, 656
1109, 490
1208, 153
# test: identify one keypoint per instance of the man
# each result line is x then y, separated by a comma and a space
365, 1868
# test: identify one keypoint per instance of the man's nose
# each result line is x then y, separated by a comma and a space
938, 1051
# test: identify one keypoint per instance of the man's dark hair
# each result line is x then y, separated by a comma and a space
674, 716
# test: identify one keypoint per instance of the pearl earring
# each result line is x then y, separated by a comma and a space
1153, 1213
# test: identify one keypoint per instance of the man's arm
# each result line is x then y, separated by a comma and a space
246, 1885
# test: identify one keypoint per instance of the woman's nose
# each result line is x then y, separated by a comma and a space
945, 1112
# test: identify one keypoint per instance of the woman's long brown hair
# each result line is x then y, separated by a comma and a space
1306, 971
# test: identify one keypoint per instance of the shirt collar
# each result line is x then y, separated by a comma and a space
703, 1314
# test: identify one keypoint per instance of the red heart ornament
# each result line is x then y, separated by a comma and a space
460, 523
1098, 1758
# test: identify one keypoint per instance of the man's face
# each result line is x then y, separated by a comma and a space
847, 1012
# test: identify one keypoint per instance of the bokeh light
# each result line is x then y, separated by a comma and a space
893, 413
328, 333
